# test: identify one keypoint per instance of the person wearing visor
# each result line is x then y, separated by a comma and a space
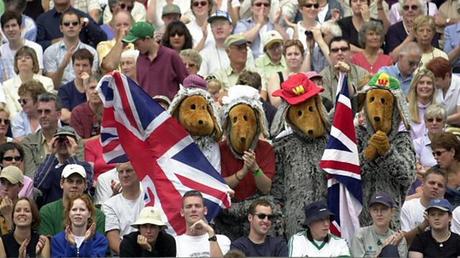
439, 241
316, 241
378, 239
151, 240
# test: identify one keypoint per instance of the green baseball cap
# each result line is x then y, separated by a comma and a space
235, 40
140, 30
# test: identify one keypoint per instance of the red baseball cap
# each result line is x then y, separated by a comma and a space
297, 88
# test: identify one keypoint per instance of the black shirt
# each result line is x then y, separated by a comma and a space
165, 246
12, 246
273, 246
424, 243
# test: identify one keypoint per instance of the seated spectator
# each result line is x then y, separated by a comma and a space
303, 30
199, 238
316, 241
408, 61
151, 240
128, 61
439, 241
420, 97
91, 7
28, 26
137, 10
452, 44
198, 26
26, 122
370, 241
60, 163
79, 237
215, 89
191, 59
72, 93
11, 26
50, 32
123, 209
448, 14
4, 125
107, 185
424, 31
428, 8
26, 68
272, 60
371, 37
447, 88
259, 243
12, 154
58, 56
177, 37
24, 241
11, 182
52, 215
170, 13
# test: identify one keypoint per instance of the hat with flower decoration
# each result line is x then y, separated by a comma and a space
297, 89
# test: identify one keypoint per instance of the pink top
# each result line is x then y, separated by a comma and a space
382, 60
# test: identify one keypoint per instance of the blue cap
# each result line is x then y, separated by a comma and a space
220, 15
382, 198
441, 204
316, 211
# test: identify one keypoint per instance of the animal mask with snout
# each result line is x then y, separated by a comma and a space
306, 117
243, 127
379, 108
194, 115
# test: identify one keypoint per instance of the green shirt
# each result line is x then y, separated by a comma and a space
266, 68
52, 219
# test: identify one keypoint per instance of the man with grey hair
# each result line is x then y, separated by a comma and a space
408, 61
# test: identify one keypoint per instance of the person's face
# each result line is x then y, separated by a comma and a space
48, 116
200, 7
261, 6
320, 228
127, 175
425, 88
177, 41
221, 29
25, 63
13, 158
260, 222
4, 123
192, 67
12, 30
424, 35
293, 57
22, 214
434, 186
442, 82
9, 189
73, 186
168, 18
126, 5
373, 39
275, 51
408, 63
149, 231
381, 215
310, 9
439, 219
444, 157
434, 124
128, 66
27, 103
193, 209
70, 26
81, 66
410, 10
214, 90
356, 6
91, 93
238, 54
79, 214
340, 51
122, 22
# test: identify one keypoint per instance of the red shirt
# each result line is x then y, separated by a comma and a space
265, 157
382, 60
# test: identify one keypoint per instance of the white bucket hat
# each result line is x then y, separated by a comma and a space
149, 215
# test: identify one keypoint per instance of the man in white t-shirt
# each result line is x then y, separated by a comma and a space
199, 239
412, 212
122, 209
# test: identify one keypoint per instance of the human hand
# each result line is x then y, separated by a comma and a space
277, 17
202, 225
365, 12
116, 187
68, 55
6, 207
250, 162
335, 14
342, 67
394, 239
142, 241
41, 243
23, 248
121, 33
204, 29
317, 35
72, 145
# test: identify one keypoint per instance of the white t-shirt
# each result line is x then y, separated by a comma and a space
455, 224
198, 246
197, 34
300, 246
120, 213
411, 214
451, 100
103, 186
8, 55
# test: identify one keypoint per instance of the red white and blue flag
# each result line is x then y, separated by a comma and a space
341, 162
163, 154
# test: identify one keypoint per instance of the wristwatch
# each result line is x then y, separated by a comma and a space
213, 238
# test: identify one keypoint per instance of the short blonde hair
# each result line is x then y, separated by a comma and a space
424, 20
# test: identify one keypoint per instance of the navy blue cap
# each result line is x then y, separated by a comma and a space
316, 211
441, 204
382, 198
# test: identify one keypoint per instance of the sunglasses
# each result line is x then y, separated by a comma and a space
336, 50
200, 3
438, 153
315, 6
260, 4
4, 121
126, 7
180, 34
16, 158
241, 47
437, 119
22, 101
412, 7
414, 63
262, 216
67, 24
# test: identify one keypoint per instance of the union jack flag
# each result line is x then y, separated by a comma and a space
341, 162
163, 154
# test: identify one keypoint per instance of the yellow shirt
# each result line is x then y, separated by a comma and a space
104, 47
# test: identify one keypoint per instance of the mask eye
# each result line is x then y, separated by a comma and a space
193, 107
382, 100
234, 119
245, 118
310, 108
372, 99
299, 113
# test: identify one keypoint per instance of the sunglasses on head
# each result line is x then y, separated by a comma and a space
262, 216
67, 24
260, 4
4, 121
412, 7
126, 7
315, 6
437, 119
10, 158
200, 3
336, 50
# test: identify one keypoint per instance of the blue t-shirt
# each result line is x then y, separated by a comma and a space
69, 96
273, 246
